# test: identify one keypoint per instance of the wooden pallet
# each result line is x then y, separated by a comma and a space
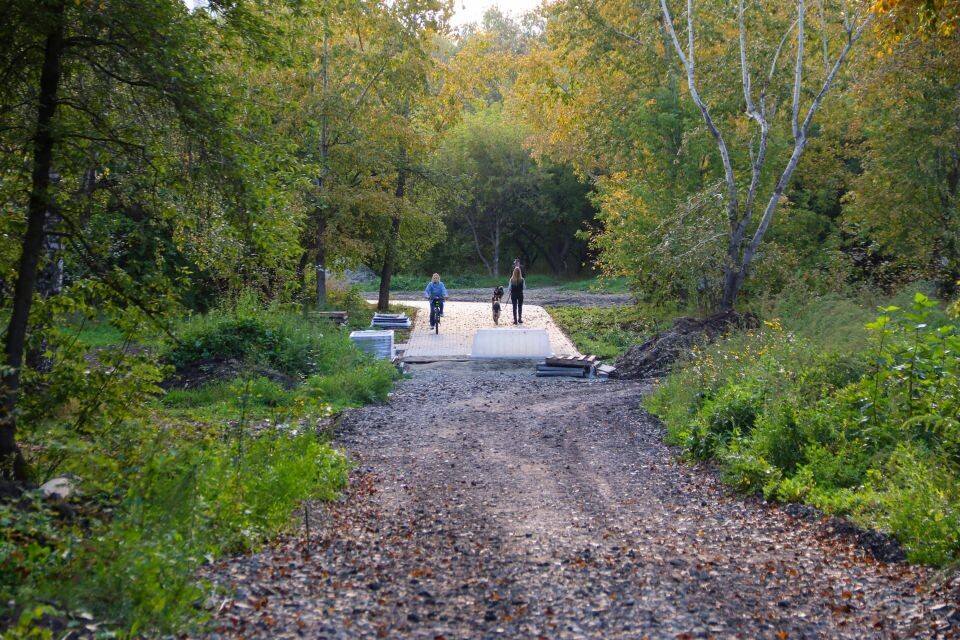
338, 317
582, 362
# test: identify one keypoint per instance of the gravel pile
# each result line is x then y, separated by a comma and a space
491, 504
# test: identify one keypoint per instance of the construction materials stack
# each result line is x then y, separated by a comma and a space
574, 367
568, 367
390, 321
378, 344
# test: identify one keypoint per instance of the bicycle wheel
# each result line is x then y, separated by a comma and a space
436, 326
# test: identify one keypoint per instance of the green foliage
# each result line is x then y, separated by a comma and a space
167, 484
351, 300
606, 331
363, 385
416, 282
873, 433
282, 339
200, 499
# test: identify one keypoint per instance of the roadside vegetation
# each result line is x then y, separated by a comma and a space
607, 332
829, 403
211, 437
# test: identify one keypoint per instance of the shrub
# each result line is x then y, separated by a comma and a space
874, 433
281, 339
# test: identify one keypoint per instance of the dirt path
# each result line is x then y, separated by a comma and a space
491, 504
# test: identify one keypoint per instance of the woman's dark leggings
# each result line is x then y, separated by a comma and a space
517, 307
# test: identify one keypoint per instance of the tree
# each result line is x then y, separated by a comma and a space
104, 103
905, 199
740, 251
493, 181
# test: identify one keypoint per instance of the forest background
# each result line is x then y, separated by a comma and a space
178, 185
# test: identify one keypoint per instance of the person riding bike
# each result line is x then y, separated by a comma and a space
435, 290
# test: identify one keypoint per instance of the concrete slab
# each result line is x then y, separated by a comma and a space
527, 343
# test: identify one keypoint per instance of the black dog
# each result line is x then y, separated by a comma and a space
497, 294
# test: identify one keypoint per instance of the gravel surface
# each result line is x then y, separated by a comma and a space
543, 296
491, 504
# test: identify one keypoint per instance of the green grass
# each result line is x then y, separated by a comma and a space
597, 285
607, 332
97, 333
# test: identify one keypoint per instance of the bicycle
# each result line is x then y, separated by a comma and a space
435, 314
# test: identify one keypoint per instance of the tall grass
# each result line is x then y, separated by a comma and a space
854, 417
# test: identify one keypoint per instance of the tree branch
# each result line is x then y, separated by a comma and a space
798, 72
733, 206
800, 144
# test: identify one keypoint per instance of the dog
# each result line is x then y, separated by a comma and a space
497, 295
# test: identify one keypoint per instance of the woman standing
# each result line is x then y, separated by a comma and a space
516, 295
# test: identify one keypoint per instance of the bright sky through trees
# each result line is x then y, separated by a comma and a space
466, 11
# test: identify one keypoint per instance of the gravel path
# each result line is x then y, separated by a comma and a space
491, 504
543, 296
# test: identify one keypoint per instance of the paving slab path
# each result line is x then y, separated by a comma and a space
461, 321
543, 296
487, 503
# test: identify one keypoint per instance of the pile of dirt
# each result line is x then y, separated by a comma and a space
203, 372
654, 357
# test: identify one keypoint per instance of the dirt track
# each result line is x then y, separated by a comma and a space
491, 504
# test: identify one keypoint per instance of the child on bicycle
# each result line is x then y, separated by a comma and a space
435, 289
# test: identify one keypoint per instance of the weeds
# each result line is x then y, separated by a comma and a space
873, 432
607, 331
169, 481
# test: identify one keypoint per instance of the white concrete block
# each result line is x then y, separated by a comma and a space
511, 343
379, 344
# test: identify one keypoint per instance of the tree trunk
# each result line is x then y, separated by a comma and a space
302, 273
50, 282
12, 463
390, 255
320, 264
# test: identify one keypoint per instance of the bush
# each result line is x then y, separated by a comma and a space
873, 433
199, 499
279, 338
169, 483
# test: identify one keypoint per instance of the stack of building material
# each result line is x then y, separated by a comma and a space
568, 367
379, 344
390, 321
336, 317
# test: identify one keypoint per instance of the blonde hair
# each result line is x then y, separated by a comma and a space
517, 276
435, 278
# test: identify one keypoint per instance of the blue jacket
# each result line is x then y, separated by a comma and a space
435, 290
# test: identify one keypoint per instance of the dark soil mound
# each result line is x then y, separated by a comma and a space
202, 372
654, 357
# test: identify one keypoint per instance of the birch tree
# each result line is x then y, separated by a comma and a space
742, 204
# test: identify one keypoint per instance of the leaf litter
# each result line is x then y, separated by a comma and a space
487, 503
